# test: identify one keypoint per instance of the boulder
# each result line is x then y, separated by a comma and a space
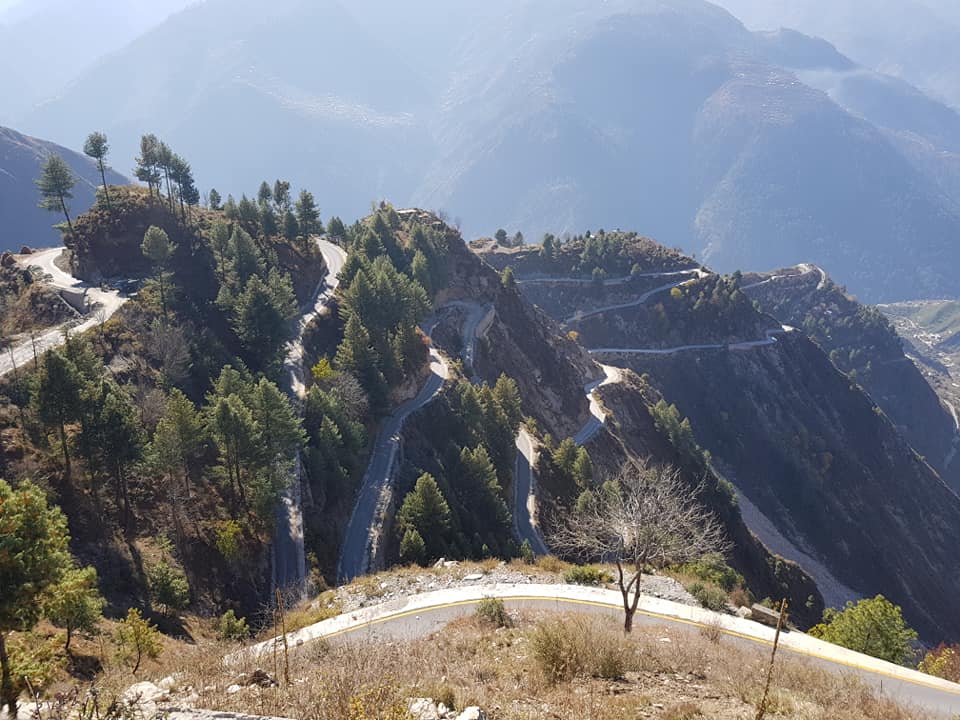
424, 709
472, 713
6, 260
26, 250
765, 615
143, 698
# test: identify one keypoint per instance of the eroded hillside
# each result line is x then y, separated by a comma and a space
805, 446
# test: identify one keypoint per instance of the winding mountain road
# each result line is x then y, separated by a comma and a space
100, 306
422, 615
287, 553
581, 315
368, 512
770, 339
545, 280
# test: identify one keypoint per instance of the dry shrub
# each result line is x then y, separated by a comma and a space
684, 711
572, 647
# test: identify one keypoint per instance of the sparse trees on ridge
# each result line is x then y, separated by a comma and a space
644, 516
56, 184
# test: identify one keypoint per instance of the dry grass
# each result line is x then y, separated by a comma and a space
546, 665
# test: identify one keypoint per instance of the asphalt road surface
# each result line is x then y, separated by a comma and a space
287, 553
365, 520
101, 305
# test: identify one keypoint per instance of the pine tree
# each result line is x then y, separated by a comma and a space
96, 147
420, 271
55, 183
308, 215
214, 199
281, 197
264, 195
34, 556
291, 228
75, 603
137, 638
426, 512
148, 162
412, 547
259, 322
57, 398
158, 249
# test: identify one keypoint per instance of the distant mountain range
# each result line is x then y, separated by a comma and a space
21, 221
751, 149
44, 44
914, 40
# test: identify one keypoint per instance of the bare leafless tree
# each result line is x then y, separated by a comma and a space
646, 516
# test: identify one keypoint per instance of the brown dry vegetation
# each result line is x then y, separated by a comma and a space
545, 666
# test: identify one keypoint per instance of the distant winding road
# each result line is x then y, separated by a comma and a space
100, 304
289, 561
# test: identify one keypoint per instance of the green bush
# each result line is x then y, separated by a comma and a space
586, 575
708, 595
493, 612
168, 587
230, 627
873, 626
713, 568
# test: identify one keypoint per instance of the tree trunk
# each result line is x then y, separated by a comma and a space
163, 295
8, 696
63, 204
66, 646
66, 451
106, 193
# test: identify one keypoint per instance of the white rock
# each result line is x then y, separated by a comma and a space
424, 709
442, 562
472, 713
144, 692
442, 710
744, 612
168, 683
473, 577
234, 689
144, 697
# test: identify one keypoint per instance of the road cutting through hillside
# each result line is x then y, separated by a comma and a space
287, 553
100, 306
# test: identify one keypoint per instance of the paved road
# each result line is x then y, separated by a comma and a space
368, 511
524, 494
598, 416
421, 615
101, 306
287, 553
581, 315
608, 281
770, 339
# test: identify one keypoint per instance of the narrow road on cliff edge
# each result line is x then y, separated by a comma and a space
288, 557
101, 305
419, 616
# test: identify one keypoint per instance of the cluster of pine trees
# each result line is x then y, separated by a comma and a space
387, 286
158, 166
459, 506
273, 213
243, 439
